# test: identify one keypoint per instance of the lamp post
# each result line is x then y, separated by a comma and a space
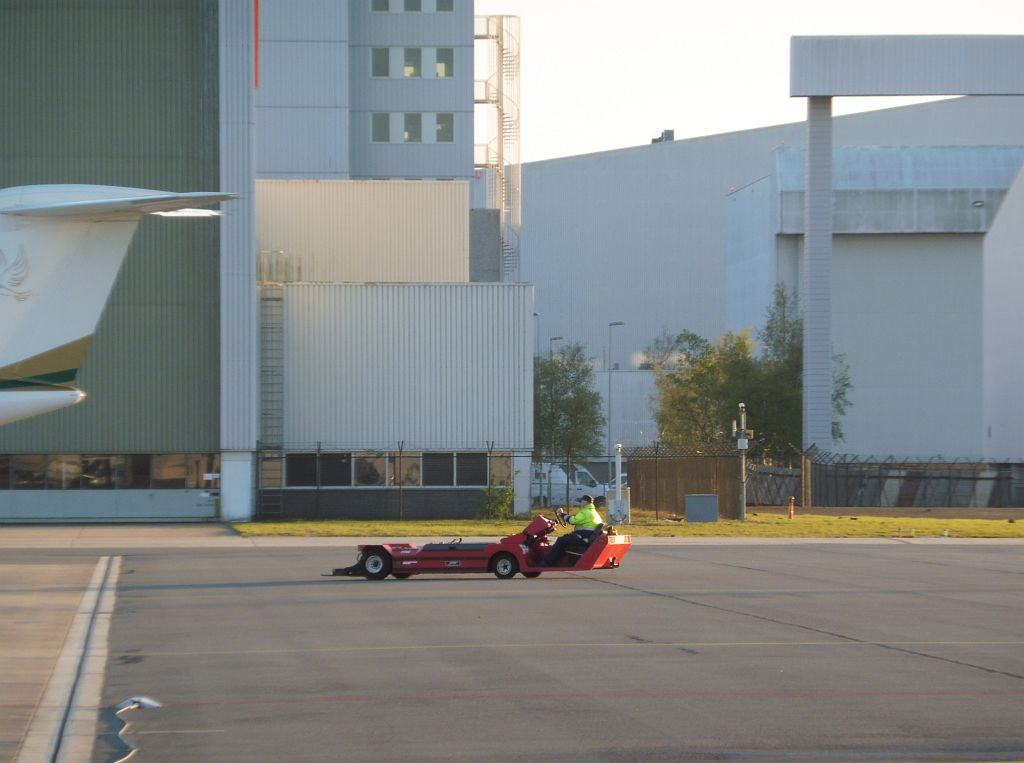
551, 401
536, 333
551, 345
608, 428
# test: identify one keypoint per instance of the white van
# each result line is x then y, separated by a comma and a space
547, 485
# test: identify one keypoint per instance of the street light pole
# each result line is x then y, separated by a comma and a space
551, 345
551, 401
608, 427
536, 333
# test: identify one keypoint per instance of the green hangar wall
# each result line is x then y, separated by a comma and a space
125, 92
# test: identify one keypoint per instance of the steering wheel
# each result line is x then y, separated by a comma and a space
560, 517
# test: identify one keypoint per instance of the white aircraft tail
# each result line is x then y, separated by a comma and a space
61, 247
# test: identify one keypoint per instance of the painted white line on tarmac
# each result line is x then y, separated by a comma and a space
59, 720
83, 714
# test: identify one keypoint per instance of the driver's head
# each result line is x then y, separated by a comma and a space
585, 499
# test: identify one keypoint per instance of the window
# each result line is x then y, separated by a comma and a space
414, 5
97, 473
380, 62
381, 128
379, 6
132, 472
445, 6
371, 469
270, 472
300, 470
336, 469
137, 471
413, 62
197, 466
413, 132
471, 469
64, 472
30, 472
501, 469
439, 469
445, 66
445, 128
404, 470
168, 471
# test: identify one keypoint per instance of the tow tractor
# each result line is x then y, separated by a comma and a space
521, 552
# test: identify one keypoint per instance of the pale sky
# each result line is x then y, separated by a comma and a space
605, 74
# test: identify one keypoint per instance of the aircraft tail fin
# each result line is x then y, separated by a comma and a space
61, 247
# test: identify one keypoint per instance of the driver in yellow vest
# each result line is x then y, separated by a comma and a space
585, 521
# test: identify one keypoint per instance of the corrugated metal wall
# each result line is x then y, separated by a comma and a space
1003, 311
317, 93
302, 116
125, 93
907, 65
907, 315
638, 234
356, 231
397, 94
434, 367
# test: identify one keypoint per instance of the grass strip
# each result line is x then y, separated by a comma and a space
758, 525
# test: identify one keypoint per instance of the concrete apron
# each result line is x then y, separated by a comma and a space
63, 726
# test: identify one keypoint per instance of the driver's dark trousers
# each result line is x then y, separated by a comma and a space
576, 536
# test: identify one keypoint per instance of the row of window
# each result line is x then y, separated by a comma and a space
135, 471
410, 6
412, 62
412, 128
390, 470
181, 471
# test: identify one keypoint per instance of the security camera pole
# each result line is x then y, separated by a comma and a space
742, 435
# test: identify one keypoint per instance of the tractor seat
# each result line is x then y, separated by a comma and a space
578, 549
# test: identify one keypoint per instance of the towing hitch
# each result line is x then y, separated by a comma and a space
356, 570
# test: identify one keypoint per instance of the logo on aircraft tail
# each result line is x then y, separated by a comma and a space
12, 276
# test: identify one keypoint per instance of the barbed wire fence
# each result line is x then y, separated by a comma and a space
662, 475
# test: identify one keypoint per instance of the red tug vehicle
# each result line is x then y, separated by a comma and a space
521, 552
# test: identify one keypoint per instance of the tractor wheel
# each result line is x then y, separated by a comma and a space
377, 562
505, 566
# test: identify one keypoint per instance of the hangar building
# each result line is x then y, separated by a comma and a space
703, 228
320, 348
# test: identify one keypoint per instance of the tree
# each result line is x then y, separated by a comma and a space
697, 400
783, 341
664, 352
779, 407
567, 418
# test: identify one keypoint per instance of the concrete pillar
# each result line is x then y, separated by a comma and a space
237, 488
816, 284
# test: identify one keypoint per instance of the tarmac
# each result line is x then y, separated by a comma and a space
55, 607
